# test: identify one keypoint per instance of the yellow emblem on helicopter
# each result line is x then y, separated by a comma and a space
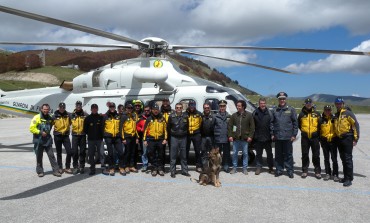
158, 64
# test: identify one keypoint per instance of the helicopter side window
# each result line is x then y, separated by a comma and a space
214, 104
96, 78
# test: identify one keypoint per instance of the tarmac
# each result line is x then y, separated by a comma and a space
139, 197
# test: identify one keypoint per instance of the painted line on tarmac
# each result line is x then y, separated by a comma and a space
159, 179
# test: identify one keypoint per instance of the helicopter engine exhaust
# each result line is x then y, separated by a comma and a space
147, 75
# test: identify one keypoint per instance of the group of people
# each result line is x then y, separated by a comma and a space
151, 128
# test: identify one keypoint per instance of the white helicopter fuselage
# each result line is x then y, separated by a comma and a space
148, 79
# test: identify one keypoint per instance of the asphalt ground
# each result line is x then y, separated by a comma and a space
139, 197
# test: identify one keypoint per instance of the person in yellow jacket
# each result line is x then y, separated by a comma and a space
328, 144
62, 125
113, 138
78, 138
309, 124
40, 127
194, 134
348, 131
155, 136
129, 138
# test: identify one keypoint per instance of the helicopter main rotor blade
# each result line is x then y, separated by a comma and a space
67, 44
70, 25
344, 52
236, 61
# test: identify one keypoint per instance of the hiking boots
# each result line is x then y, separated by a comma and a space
122, 171
318, 176
173, 175
258, 171
161, 173
336, 178
69, 171
144, 169
271, 170
111, 172
154, 173
40, 174
304, 175
82, 170
133, 169
291, 175
233, 171
60, 171
185, 174
57, 174
326, 177
127, 169
75, 171
347, 183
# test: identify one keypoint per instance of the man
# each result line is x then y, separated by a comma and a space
155, 136
207, 132
129, 138
78, 138
220, 134
347, 129
240, 132
178, 128
140, 129
93, 128
40, 128
309, 124
112, 138
328, 143
194, 135
120, 109
166, 111
285, 132
263, 120
62, 123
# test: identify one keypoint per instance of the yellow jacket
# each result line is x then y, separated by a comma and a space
62, 123
345, 123
327, 130
78, 119
195, 122
155, 127
44, 123
111, 124
309, 123
128, 125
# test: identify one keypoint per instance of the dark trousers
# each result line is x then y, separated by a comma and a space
345, 147
259, 146
207, 145
94, 148
284, 156
155, 153
130, 154
178, 146
226, 158
39, 155
314, 144
79, 150
196, 139
330, 150
64, 140
114, 144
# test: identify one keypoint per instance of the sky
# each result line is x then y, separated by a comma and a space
326, 24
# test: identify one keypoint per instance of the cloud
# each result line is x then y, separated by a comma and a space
337, 63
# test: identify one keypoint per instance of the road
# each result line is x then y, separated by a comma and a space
139, 197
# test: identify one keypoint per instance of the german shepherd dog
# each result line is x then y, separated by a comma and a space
211, 170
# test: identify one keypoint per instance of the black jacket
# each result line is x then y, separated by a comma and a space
208, 123
263, 125
93, 127
178, 125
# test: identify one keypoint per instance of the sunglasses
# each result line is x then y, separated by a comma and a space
147, 110
178, 107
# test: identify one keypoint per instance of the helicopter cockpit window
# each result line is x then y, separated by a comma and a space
213, 103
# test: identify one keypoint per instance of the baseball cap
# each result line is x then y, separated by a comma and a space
62, 105
339, 100
192, 103
308, 101
78, 103
155, 106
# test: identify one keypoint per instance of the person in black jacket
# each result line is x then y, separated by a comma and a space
93, 128
178, 127
207, 132
262, 136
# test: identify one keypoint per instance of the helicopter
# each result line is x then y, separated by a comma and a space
149, 78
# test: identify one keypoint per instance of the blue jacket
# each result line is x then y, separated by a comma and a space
220, 131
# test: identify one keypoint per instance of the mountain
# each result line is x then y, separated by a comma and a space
352, 100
